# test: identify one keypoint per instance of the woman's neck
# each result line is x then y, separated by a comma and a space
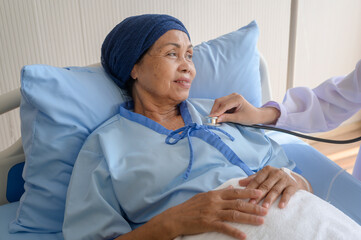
166, 114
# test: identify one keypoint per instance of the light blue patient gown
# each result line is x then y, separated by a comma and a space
131, 168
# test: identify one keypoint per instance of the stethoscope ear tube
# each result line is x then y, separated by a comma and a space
347, 141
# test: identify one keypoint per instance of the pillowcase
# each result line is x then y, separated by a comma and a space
60, 107
229, 64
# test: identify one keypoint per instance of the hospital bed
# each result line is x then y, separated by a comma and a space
329, 181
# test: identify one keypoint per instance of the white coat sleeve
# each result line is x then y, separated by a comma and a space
322, 108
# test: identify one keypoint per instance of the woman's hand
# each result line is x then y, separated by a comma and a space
235, 108
273, 182
209, 212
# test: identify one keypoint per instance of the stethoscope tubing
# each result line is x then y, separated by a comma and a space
325, 140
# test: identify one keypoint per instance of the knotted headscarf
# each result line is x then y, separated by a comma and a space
130, 39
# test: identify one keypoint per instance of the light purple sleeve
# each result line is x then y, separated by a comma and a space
322, 108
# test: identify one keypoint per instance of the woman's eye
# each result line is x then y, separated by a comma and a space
172, 54
189, 56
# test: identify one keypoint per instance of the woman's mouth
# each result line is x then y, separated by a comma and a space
184, 82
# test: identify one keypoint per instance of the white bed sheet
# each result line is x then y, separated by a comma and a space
7, 214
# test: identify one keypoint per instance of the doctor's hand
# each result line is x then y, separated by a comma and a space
210, 212
274, 182
235, 108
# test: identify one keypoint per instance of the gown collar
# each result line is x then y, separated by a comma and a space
126, 111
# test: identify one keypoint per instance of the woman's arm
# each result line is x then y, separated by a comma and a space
205, 212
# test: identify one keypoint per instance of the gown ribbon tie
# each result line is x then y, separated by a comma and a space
175, 136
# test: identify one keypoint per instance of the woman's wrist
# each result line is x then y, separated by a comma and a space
304, 183
165, 226
299, 179
158, 228
161, 228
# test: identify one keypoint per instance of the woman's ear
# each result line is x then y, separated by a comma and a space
134, 72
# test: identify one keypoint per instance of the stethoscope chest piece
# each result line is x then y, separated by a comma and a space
212, 121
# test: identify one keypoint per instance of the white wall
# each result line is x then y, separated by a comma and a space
70, 32
328, 41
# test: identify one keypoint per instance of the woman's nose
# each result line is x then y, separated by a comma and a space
185, 65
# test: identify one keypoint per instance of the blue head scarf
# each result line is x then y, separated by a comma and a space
130, 39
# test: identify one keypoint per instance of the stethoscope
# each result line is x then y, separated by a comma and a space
212, 121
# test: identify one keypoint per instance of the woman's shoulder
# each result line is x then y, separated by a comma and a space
96, 136
107, 124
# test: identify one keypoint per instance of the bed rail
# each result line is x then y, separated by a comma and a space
265, 80
13, 154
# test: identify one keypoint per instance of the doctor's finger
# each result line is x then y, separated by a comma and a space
224, 104
238, 117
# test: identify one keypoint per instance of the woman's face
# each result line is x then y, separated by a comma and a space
166, 71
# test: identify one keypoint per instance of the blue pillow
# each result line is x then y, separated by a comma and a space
60, 107
229, 64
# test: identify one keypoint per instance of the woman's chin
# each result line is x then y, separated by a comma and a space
182, 95
185, 97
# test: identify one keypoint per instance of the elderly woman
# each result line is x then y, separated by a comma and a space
149, 172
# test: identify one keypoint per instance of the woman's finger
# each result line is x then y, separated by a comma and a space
273, 185
259, 178
276, 190
244, 206
240, 217
286, 196
245, 181
227, 229
237, 193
